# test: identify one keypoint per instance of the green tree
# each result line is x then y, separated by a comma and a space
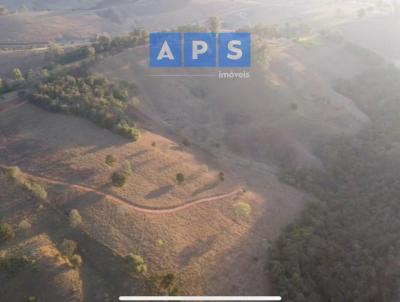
110, 159
75, 218
68, 247
17, 74
164, 284
242, 210
214, 24
6, 232
186, 142
137, 263
36, 189
1, 84
118, 179
76, 260
24, 225
14, 173
180, 178
54, 52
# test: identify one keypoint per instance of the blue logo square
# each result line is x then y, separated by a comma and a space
234, 50
165, 49
200, 49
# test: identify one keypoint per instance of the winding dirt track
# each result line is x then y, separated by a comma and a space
120, 201
139, 208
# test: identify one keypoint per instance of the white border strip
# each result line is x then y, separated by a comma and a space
205, 298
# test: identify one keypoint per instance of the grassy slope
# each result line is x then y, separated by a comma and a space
205, 245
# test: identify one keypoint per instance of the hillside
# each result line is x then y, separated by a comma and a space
291, 109
121, 179
44, 26
33, 264
194, 239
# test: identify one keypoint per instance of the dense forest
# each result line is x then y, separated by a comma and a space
346, 247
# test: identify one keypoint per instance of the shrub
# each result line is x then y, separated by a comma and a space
242, 210
76, 261
13, 173
137, 263
221, 176
17, 75
126, 168
128, 130
118, 179
160, 242
24, 225
110, 160
75, 218
68, 247
186, 142
36, 189
164, 284
180, 178
6, 232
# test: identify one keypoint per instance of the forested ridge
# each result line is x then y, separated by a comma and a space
90, 96
346, 247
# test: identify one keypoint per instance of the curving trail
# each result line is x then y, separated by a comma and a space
137, 207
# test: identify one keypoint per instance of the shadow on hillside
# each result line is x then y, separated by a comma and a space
206, 188
159, 192
196, 250
81, 201
136, 154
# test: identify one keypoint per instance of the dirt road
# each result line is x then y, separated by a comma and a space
139, 208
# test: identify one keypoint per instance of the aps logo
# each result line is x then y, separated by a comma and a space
200, 50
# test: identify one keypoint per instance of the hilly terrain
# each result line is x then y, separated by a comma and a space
121, 179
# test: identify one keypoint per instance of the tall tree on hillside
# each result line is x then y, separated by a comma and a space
54, 52
214, 24
1, 84
17, 74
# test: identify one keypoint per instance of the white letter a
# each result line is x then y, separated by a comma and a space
165, 52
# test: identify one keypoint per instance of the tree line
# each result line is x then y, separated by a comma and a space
90, 96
